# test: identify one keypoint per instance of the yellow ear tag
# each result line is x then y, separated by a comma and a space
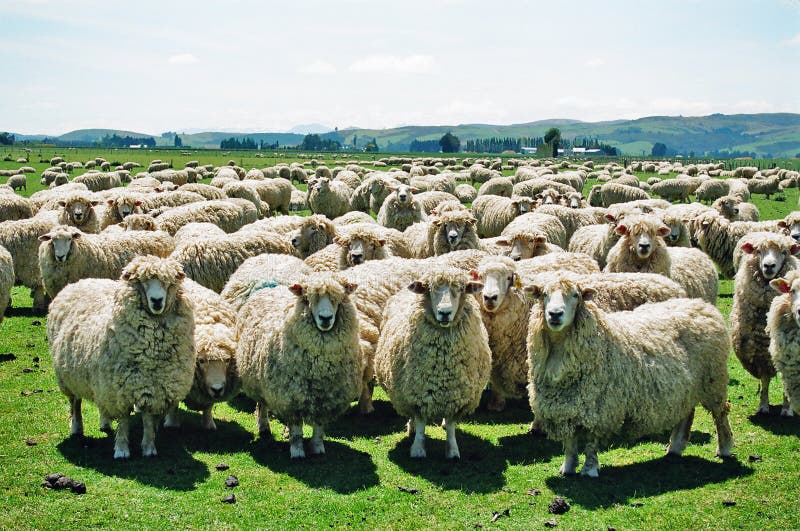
517, 282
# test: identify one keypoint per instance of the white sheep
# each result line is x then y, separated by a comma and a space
494, 213
329, 198
783, 327
401, 209
6, 280
262, 272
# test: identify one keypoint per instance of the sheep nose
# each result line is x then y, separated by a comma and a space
644, 247
325, 321
295, 242
157, 302
217, 389
490, 298
516, 257
357, 258
444, 315
769, 267
796, 236
555, 315
402, 197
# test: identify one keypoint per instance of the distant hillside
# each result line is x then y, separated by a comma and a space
94, 135
211, 140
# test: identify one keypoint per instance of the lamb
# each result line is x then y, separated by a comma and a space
261, 272
608, 194
401, 209
502, 186
551, 226
6, 280
17, 182
78, 210
14, 207
298, 355
211, 261
641, 249
329, 198
782, 327
349, 249
596, 375
766, 258
227, 215
433, 357
67, 254
138, 352
215, 377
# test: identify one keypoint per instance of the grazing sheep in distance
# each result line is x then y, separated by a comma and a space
138, 352
17, 182
597, 375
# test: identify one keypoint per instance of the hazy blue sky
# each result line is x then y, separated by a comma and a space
171, 65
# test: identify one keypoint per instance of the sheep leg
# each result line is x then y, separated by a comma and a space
149, 435
40, 299
591, 468
121, 448
171, 420
496, 402
208, 418
296, 450
262, 419
105, 422
786, 409
763, 406
76, 422
451, 451
570, 457
317, 443
365, 400
418, 447
410, 427
724, 433
680, 435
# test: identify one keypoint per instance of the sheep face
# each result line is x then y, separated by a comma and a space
322, 295
453, 229
497, 282
783, 286
642, 238
574, 200
360, 249
139, 222
78, 208
561, 300
125, 206
156, 279
155, 295
548, 197
316, 233
792, 224
213, 374
524, 245
522, 205
61, 241
444, 300
727, 206
771, 256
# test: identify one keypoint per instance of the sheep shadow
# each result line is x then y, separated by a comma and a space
618, 484
480, 469
173, 469
229, 437
342, 469
242, 403
529, 449
775, 423
383, 421
22, 311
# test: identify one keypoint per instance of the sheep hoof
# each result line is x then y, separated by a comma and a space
787, 412
453, 455
297, 452
418, 452
149, 450
567, 470
317, 448
210, 425
763, 409
366, 408
122, 453
592, 472
172, 423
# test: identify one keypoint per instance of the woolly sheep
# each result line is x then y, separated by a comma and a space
329, 198
354, 217
551, 226
466, 193
610, 193
17, 182
176, 198
215, 377
246, 190
711, 190
196, 231
298, 201
595, 241
14, 207
768, 186
67, 254
262, 272
494, 213
78, 210
766, 258
574, 218
96, 182
594, 374
298, 355
138, 352
277, 193
522, 244
348, 250
6, 280
207, 191
533, 187
228, 215
211, 261
313, 234
502, 186
734, 209
433, 357
782, 327
431, 200
401, 209
136, 222
21, 239
450, 231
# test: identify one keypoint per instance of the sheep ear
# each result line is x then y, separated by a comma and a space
297, 289
349, 287
381, 242
504, 242
794, 249
475, 275
780, 285
94, 202
76, 235
747, 248
622, 230
587, 294
663, 231
121, 224
126, 274
180, 276
138, 202
436, 221
610, 218
540, 239
533, 291
471, 221
782, 224
392, 188
61, 203
45, 238
418, 287
414, 190
339, 241
110, 202
473, 287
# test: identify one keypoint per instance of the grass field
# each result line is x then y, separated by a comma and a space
367, 480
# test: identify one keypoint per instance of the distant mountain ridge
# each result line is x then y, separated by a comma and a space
776, 134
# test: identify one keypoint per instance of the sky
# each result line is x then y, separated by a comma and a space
154, 66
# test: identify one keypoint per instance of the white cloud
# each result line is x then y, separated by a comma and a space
595, 62
318, 68
183, 59
793, 41
395, 64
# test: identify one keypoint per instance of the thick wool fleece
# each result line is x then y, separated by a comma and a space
21, 239
260, 272
551, 226
465, 223
227, 215
594, 241
784, 343
6, 279
400, 216
574, 218
300, 372
494, 213
627, 373
83, 200
336, 256
623, 258
124, 356
752, 296
430, 372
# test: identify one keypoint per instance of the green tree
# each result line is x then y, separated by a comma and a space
372, 145
178, 141
553, 137
449, 143
6, 139
659, 150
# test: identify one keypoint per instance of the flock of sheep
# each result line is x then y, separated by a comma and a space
600, 310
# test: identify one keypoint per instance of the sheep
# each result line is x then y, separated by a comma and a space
431, 200
260, 272
136, 222
522, 244
378, 191
596, 375
433, 357
78, 210
641, 249
96, 182
298, 201
572, 262
17, 182
348, 250
675, 189
466, 193
350, 178
119, 207
502, 186
277, 193
212, 260
313, 234
247, 190
299, 357
574, 218
551, 226
782, 327
67, 254
176, 198
678, 230
330, 198
138, 351
401, 209
215, 376
711, 190
14, 207
21, 239
767, 257
451, 231
195, 231
207, 191
228, 215
610, 193
533, 187
6, 279
768, 186
595, 240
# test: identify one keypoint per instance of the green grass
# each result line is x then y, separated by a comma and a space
357, 483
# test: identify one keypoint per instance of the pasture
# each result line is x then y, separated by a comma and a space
367, 479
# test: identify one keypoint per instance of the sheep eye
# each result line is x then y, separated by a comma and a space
201, 361
574, 295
